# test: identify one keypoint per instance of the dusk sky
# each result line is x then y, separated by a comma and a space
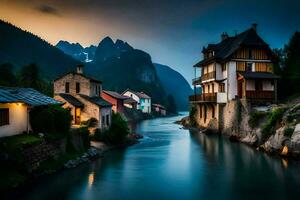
172, 31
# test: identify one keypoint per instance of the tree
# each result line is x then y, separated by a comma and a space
291, 69
30, 77
7, 77
171, 105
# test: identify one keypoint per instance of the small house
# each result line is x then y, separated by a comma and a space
116, 99
15, 105
81, 95
160, 109
130, 103
142, 99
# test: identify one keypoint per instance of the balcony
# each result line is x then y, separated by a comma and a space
209, 75
206, 97
197, 81
260, 95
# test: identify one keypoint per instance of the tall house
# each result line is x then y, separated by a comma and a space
81, 94
238, 67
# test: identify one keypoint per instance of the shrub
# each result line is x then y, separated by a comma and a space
91, 123
116, 134
51, 119
273, 118
288, 132
192, 116
255, 117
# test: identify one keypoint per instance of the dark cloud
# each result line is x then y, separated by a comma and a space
47, 9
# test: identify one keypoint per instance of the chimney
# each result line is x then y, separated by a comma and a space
254, 27
224, 36
80, 69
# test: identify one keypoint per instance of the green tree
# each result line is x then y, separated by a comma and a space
30, 77
171, 105
7, 77
291, 69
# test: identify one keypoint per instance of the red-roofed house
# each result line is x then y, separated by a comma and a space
116, 99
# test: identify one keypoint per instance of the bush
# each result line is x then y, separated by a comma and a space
51, 120
91, 123
273, 118
255, 117
116, 134
192, 114
288, 132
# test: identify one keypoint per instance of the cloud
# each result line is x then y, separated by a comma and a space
47, 9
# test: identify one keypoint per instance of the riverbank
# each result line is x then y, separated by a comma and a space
274, 129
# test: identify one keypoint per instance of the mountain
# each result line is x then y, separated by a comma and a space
121, 66
174, 83
21, 48
77, 51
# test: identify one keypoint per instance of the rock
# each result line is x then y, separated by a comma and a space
285, 151
276, 141
294, 144
250, 139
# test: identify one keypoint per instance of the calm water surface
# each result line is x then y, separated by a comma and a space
172, 163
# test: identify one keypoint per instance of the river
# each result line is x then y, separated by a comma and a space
172, 163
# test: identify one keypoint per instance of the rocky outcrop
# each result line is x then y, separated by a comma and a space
294, 144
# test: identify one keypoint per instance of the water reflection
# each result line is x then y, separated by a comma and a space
172, 163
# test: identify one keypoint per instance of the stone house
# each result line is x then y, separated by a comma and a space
142, 99
238, 68
81, 94
15, 105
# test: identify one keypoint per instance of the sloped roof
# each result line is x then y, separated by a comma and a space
258, 75
75, 73
115, 94
28, 96
72, 100
159, 106
96, 100
139, 94
227, 47
130, 100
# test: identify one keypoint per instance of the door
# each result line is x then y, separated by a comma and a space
240, 88
77, 116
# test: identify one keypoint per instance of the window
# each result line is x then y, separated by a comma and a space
223, 67
222, 87
4, 116
213, 112
77, 87
200, 111
249, 67
258, 85
250, 53
208, 89
107, 120
67, 87
103, 121
96, 89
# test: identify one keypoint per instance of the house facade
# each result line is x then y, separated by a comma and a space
237, 68
81, 95
116, 99
142, 99
15, 105
160, 109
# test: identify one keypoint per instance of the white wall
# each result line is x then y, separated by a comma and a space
219, 74
132, 95
17, 120
232, 81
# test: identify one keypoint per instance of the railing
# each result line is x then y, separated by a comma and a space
197, 81
209, 75
206, 97
260, 95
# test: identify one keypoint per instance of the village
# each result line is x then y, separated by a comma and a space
35, 128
